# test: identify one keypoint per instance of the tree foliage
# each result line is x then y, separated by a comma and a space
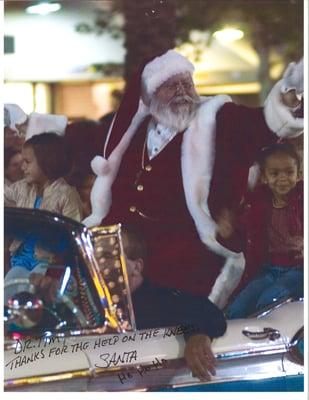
148, 28
153, 26
268, 25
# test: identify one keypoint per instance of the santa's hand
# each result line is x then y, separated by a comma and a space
283, 108
199, 357
293, 79
291, 100
225, 223
92, 220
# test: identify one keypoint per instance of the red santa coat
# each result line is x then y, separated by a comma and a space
163, 203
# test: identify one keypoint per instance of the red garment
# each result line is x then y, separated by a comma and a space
240, 135
283, 232
175, 253
177, 257
257, 219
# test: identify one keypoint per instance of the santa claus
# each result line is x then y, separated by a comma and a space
174, 161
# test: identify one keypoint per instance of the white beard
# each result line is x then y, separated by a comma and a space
179, 119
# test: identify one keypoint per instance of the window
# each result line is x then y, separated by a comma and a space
43, 266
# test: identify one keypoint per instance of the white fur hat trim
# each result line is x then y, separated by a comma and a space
13, 115
40, 123
164, 67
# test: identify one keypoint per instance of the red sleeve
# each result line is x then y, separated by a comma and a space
241, 132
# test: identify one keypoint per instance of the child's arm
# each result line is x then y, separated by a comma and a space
296, 243
73, 206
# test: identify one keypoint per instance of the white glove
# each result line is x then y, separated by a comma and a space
283, 102
293, 79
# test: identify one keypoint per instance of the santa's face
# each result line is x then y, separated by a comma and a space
176, 92
175, 102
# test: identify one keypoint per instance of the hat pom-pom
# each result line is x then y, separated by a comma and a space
99, 165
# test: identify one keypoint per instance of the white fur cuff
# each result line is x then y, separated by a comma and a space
228, 280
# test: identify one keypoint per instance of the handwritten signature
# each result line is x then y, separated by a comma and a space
114, 359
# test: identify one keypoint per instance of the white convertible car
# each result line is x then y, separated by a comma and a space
86, 341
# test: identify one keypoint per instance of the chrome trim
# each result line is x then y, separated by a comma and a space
252, 352
273, 306
126, 281
121, 288
89, 373
220, 381
86, 250
267, 332
12, 383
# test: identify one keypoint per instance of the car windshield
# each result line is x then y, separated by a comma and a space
42, 264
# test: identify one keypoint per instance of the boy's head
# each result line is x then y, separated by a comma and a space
51, 154
136, 256
280, 168
12, 164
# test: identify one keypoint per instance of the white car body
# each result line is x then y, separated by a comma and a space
137, 358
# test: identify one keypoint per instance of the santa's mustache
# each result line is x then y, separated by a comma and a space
183, 98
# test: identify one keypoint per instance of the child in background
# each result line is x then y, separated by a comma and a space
12, 166
273, 225
45, 162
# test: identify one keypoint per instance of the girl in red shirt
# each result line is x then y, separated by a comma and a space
273, 225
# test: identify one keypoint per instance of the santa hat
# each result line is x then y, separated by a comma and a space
41, 123
13, 115
162, 68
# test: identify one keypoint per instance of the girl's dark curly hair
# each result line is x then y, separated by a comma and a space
278, 148
52, 154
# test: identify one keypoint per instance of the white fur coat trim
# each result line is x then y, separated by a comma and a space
197, 160
198, 155
106, 171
